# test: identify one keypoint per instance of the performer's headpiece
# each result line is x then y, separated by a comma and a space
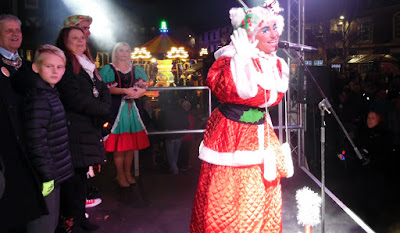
253, 19
74, 20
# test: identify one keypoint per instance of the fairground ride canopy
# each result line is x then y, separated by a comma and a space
163, 43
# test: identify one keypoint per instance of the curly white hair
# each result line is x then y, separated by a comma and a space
253, 19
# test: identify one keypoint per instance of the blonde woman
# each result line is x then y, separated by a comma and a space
128, 134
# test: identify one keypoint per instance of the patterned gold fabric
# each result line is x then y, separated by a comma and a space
236, 199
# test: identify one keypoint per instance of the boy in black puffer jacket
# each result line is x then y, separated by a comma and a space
47, 133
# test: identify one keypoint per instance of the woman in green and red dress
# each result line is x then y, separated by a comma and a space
128, 133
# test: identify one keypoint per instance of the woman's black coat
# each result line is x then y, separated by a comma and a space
86, 115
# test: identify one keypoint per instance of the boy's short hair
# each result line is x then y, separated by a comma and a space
49, 49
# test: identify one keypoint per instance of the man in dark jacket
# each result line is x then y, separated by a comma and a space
22, 200
173, 117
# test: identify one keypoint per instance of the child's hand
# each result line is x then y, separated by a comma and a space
47, 187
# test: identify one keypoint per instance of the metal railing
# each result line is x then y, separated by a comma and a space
181, 89
279, 127
136, 155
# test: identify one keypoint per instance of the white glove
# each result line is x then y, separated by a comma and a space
242, 44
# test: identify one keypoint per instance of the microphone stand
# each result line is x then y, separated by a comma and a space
325, 105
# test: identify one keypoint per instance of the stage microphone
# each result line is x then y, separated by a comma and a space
296, 47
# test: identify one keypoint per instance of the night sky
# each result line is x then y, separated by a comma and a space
209, 14
116, 20
197, 15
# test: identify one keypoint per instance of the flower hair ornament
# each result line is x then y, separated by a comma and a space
253, 19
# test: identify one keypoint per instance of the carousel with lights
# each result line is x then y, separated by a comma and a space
166, 60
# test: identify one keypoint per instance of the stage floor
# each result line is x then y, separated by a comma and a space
162, 203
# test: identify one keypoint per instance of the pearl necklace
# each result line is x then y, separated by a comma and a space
264, 55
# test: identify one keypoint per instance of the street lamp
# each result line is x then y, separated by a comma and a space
343, 40
341, 24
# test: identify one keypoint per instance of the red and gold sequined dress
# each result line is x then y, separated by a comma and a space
239, 186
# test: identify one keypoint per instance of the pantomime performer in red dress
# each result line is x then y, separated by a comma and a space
242, 160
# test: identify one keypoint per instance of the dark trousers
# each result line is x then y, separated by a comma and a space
73, 195
47, 223
184, 154
172, 147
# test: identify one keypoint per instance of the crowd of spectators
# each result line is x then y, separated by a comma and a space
369, 108
358, 95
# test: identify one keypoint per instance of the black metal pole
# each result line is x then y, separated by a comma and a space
322, 171
324, 105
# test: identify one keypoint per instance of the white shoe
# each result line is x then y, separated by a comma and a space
92, 202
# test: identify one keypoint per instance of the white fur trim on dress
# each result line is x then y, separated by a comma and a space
236, 158
245, 158
270, 164
287, 153
226, 51
283, 83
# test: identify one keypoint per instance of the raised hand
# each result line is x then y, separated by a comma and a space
242, 44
